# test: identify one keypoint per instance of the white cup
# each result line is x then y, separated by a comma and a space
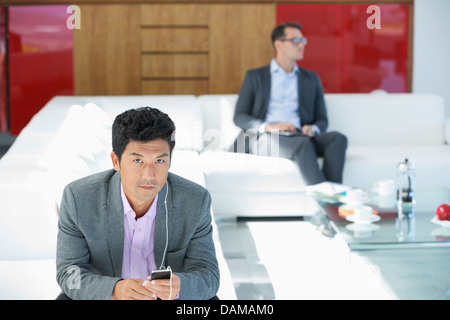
362, 213
355, 196
385, 187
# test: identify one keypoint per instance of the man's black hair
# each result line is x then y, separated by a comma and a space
278, 32
142, 125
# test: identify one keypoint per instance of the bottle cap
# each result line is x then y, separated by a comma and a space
406, 165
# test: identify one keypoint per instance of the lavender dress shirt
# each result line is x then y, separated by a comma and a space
138, 254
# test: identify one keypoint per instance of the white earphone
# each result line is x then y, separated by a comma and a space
167, 228
167, 241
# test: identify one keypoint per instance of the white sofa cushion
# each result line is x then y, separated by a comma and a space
364, 118
184, 110
70, 155
245, 184
250, 172
186, 163
62, 104
43, 125
387, 119
220, 132
97, 137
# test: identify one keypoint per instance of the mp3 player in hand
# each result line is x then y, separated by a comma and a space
161, 274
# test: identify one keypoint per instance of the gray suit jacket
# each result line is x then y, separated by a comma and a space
91, 234
253, 101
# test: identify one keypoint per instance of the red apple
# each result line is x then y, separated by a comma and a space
443, 212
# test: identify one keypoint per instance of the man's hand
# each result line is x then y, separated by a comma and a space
132, 289
282, 126
161, 287
308, 130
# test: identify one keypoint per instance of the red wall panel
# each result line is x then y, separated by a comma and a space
3, 108
40, 60
348, 56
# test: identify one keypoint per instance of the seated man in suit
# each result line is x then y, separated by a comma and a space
117, 226
284, 104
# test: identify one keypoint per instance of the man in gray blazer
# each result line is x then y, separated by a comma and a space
284, 104
117, 226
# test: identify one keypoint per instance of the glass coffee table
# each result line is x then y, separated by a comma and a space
420, 230
410, 256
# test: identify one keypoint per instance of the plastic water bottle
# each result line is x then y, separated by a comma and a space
406, 186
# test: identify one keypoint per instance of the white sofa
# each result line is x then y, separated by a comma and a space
70, 138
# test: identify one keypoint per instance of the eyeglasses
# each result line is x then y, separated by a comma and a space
297, 40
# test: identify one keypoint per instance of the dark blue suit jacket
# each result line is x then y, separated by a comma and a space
253, 101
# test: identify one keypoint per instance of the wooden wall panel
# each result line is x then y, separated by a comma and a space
206, 48
174, 49
174, 15
174, 39
106, 51
180, 86
174, 65
239, 39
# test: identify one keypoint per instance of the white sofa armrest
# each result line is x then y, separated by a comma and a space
447, 131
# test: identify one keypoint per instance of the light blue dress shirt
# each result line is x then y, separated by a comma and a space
283, 102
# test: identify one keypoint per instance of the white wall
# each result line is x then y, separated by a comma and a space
431, 57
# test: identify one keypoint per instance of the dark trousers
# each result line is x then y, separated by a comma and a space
305, 151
